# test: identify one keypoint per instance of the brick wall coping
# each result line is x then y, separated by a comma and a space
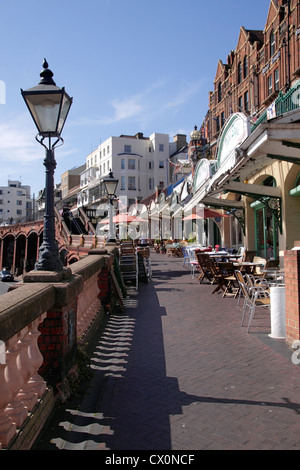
31, 298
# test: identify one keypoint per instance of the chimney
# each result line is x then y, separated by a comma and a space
139, 135
180, 140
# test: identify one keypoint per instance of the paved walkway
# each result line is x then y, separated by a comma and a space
177, 372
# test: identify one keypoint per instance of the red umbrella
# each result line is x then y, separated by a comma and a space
205, 214
123, 218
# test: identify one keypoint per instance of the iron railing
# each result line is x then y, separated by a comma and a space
284, 103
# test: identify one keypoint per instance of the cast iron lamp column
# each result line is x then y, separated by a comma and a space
111, 184
49, 106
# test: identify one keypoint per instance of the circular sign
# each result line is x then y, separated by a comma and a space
235, 132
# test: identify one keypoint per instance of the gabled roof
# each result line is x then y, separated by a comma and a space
273, 6
249, 35
255, 35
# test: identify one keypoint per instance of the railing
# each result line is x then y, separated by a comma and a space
21, 387
41, 325
283, 104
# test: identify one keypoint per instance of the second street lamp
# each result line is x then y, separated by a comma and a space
49, 106
111, 184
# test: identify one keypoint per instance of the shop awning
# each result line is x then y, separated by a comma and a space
278, 139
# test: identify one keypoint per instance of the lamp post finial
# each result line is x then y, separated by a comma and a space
46, 75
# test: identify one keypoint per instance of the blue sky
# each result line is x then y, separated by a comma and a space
130, 65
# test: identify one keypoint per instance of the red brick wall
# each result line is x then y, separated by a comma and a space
57, 341
104, 285
292, 293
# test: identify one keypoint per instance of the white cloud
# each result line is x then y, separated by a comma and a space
17, 143
127, 108
186, 93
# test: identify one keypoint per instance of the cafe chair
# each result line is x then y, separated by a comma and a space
186, 259
220, 277
241, 253
204, 270
261, 264
271, 267
229, 280
254, 297
129, 262
249, 256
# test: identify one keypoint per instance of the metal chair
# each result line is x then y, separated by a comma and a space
254, 297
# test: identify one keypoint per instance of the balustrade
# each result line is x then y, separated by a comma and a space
20, 384
34, 317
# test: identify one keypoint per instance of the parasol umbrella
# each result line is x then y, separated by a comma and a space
123, 218
205, 214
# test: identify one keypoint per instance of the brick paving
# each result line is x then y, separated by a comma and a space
176, 371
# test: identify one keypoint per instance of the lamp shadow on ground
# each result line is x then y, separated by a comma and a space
129, 402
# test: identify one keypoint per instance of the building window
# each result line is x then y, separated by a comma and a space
272, 43
219, 92
123, 183
131, 164
240, 104
217, 123
222, 119
127, 148
131, 183
151, 165
151, 183
239, 72
161, 147
270, 85
245, 66
276, 79
161, 164
19, 212
123, 164
19, 203
246, 101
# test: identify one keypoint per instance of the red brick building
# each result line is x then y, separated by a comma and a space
262, 64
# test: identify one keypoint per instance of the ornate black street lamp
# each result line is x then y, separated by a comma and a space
49, 106
111, 184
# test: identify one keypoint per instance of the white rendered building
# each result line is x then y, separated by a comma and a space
16, 204
139, 163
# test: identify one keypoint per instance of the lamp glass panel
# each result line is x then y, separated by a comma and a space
45, 110
66, 104
111, 187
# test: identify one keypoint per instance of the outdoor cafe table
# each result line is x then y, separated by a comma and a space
274, 276
217, 254
222, 254
247, 266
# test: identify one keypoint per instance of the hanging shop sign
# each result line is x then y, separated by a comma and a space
204, 171
235, 132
